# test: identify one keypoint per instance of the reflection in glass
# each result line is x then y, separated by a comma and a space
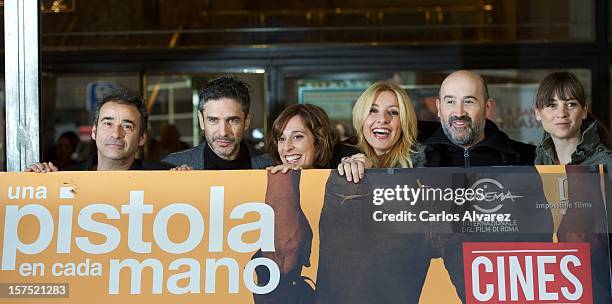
176, 24
172, 100
68, 102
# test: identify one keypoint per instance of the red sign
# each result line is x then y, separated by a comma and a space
527, 272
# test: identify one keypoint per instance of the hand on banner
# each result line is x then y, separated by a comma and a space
42, 168
353, 167
284, 168
182, 168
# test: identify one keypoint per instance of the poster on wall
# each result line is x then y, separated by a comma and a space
514, 112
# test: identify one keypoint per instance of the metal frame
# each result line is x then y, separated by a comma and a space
286, 60
21, 33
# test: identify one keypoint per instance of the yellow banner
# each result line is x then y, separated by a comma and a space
159, 237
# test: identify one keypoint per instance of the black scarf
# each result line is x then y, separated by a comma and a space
213, 162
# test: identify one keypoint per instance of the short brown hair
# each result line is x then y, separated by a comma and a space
317, 122
564, 85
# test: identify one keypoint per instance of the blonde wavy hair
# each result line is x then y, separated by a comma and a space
401, 153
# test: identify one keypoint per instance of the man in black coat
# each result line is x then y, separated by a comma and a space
466, 138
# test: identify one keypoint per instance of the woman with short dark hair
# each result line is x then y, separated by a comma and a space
573, 137
302, 137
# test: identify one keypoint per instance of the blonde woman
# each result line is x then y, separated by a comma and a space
358, 263
386, 126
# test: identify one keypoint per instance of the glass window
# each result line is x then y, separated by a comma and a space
67, 106
68, 101
513, 91
176, 24
172, 100
609, 21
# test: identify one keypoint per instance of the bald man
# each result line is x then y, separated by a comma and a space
466, 138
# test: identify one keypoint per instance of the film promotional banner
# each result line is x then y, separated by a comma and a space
425, 235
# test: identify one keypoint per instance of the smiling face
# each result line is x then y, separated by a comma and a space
461, 108
117, 133
562, 119
296, 144
382, 127
224, 122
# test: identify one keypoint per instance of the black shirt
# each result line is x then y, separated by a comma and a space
340, 151
213, 162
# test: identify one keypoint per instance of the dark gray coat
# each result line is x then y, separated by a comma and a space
194, 158
589, 222
590, 150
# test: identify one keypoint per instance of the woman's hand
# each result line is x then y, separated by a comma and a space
284, 168
182, 168
353, 167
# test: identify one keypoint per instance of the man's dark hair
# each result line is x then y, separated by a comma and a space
124, 96
226, 87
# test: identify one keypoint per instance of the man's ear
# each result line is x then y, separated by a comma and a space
438, 107
585, 113
201, 120
143, 139
490, 109
247, 121
93, 132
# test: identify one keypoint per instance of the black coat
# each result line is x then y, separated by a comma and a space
497, 149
